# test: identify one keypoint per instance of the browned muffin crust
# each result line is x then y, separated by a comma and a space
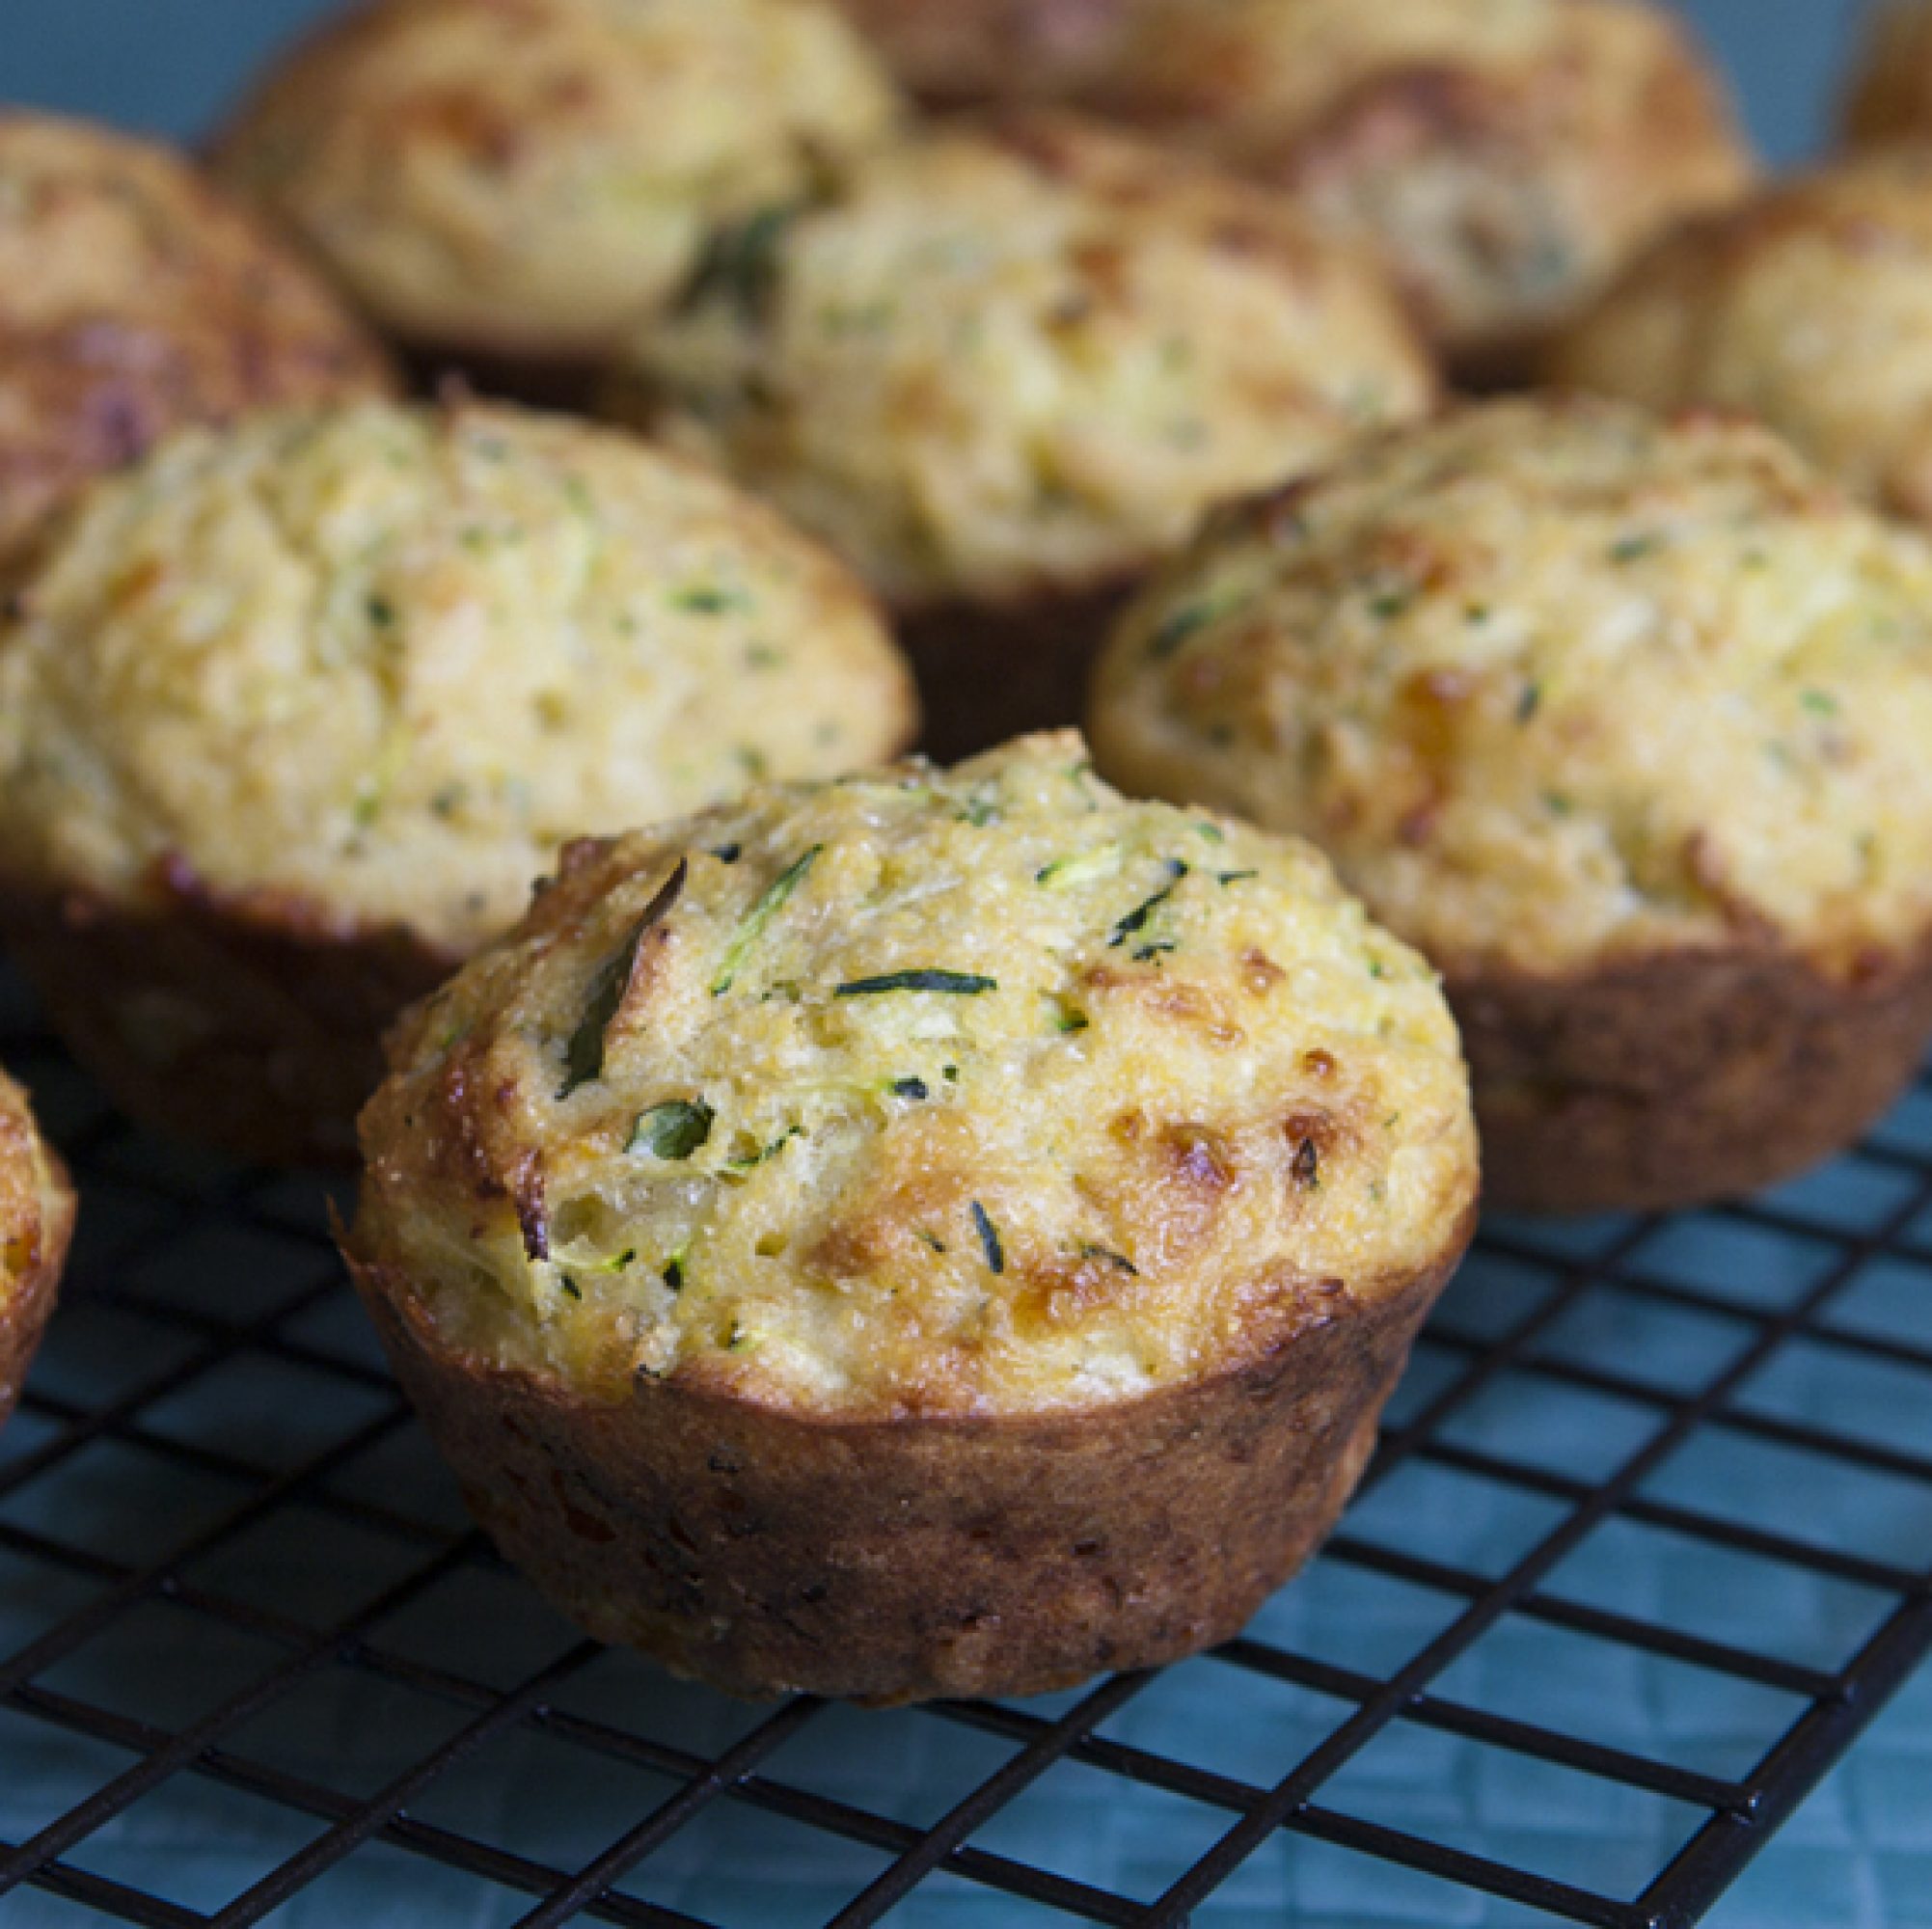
769, 1553
969, 53
813, 1308
135, 298
1667, 1081
513, 182
1889, 101
252, 1024
36, 1222
1505, 160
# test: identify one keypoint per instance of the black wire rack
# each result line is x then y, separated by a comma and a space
1647, 1544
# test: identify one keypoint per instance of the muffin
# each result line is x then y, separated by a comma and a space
507, 186
37, 1219
958, 53
932, 1233
1890, 95
1624, 724
1505, 156
1006, 370
134, 299
292, 715
1810, 307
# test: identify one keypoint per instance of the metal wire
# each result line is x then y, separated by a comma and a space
178, 1205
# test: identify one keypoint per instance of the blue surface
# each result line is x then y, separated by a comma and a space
1858, 1857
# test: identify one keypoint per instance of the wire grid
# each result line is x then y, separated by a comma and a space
240, 1607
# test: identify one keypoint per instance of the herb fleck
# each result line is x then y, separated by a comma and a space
710, 600
570, 1285
1308, 1165
1083, 867
1820, 703
741, 263
758, 918
915, 1089
584, 1055
988, 1238
1136, 920
1176, 628
1633, 549
770, 1152
955, 984
1530, 702
674, 1129
1108, 1256
1235, 877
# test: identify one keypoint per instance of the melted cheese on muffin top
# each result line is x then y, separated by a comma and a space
923, 1093
1554, 682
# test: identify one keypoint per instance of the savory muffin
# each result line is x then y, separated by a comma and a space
954, 53
1810, 307
37, 1219
134, 299
931, 1233
1005, 371
1506, 157
1624, 724
292, 715
508, 184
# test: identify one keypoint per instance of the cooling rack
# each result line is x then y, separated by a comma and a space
1647, 1544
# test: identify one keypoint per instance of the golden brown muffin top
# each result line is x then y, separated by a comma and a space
1504, 155
921, 1093
1808, 307
528, 176
1557, 683
975, 52
1889, 100
134, 298
380, 663
1023, 358
36, 1201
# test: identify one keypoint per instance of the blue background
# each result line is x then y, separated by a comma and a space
169, 63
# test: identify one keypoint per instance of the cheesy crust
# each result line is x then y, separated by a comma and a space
373, 665
1808, 308
919, 1093
1021, 358
1558, 683
1505, 156
135, 298
528, 176
961, 53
